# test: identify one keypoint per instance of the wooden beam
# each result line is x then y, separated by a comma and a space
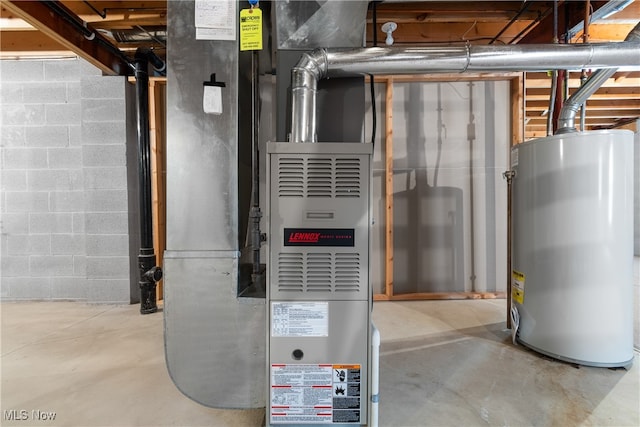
99, 51
595, 104
600, 113
389, 188
537, 80
604, 33
615, 92
28, 42
590, 121
447, 32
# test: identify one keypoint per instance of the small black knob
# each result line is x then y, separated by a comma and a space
297, 354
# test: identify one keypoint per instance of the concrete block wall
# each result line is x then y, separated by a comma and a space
63, 183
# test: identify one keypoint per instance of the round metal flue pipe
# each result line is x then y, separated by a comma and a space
323, 63
567, 117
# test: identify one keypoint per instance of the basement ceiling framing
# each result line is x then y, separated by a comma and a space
38, 29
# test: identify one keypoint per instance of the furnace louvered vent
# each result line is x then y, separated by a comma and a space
319, 272
291, 272
319, 177
291, 177
347, 177
347, 272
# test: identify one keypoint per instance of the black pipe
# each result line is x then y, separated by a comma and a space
510, 23
256, 214
86, 31
525, 30
149, 272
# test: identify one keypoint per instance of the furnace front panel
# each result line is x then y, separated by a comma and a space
319, 296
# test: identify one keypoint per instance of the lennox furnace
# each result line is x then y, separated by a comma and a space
318, 295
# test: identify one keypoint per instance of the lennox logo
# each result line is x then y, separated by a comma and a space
336, 237
299, 237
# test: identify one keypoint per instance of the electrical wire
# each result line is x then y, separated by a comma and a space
515, 323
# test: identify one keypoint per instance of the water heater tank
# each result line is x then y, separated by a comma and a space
572, 278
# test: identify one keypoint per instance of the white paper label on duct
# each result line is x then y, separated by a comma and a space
514, 157
299, 319
212, 100
215, 19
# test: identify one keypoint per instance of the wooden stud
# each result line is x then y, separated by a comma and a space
157, 110
517, 109
389, 188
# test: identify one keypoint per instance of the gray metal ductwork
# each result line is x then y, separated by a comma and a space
323, 63
567, 117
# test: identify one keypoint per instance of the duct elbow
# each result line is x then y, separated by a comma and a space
311, 67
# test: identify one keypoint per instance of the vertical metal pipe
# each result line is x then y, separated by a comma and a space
583, 74
509, 175
255, 214
554, 77
149, 272
471, 136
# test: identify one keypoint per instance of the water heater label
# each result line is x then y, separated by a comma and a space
299, 319
514, 157
517, 286
319, 237
315, 394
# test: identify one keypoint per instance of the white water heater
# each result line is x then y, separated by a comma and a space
318, 295
572, 278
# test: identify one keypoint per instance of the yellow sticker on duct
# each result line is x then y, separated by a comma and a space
517, 286
251, 29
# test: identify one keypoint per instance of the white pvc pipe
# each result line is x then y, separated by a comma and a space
375, 375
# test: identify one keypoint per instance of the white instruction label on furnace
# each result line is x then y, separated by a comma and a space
315, 394
299, 319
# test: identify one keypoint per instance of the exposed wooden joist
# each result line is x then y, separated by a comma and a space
543, 32
14, 43
606, 33
98, 51
595, 104
614, 92
447, 32
541, 80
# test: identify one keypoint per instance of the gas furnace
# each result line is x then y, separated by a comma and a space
319, 298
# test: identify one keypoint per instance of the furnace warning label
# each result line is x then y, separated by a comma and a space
315, 394
517, 286
299, 319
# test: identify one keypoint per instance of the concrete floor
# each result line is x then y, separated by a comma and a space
443, 363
